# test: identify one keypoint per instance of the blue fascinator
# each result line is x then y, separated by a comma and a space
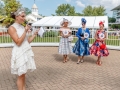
83, 20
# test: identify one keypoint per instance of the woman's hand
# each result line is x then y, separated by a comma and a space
36, 32
27, 27
82, 38
66, 36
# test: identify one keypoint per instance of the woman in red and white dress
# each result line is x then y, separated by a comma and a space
99, 47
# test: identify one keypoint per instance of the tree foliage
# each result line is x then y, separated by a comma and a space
10, 6
65, 10
27, 10
68, 10
2, 11
94, 11
111, 20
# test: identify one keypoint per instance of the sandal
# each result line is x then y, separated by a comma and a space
64, 61
99, 62
78, 61
81, 60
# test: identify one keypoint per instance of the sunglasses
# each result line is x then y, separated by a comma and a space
83, 24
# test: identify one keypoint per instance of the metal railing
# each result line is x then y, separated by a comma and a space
52, 38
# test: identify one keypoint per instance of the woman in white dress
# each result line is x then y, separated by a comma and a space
65, 46
22, 55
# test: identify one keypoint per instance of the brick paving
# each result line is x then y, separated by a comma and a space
52, 74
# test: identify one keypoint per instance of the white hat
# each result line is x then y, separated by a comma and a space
65, 20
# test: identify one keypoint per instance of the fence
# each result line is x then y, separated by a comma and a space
52, 38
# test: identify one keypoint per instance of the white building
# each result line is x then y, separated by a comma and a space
34, 16
116, 13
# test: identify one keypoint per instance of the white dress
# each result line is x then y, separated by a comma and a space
65, 46
22, 56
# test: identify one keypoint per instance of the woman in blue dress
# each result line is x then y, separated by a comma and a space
81, 47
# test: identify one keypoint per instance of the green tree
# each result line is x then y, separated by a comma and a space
41, 15
94, 11
101, 11
2, 11
53, 14
10, 6
65, 10
88, 11
111, 20
78, 14
27, 10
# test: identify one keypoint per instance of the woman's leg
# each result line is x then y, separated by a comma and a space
20, 82
78, 59
24, 83
99, 60
82, 59
64, 58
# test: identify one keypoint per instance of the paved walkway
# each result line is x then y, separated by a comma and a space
52, 74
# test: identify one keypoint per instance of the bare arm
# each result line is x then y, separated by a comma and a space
61, 34
30, 39
104, 37
96, 36
13, 33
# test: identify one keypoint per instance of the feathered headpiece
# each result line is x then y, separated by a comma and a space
101, 22
19, 11
83, 20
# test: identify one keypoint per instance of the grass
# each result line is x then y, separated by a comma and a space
112, 40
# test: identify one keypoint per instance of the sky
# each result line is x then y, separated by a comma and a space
48, 7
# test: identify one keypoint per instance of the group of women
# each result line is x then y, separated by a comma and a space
81, 47
23, 57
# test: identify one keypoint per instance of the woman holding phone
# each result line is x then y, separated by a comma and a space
22, 55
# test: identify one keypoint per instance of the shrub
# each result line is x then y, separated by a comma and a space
51, 33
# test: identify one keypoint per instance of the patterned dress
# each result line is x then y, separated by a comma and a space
65, 46
81, 47
99, 47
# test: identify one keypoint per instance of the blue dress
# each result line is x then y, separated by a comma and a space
81, 47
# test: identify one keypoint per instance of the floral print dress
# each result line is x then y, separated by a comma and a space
99, 47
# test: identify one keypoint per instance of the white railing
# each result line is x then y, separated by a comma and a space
52, 38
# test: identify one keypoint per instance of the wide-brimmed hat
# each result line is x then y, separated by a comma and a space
83, 20
65, 20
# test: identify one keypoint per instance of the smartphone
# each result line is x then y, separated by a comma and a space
29, 24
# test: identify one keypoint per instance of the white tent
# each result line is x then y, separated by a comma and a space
54, 21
